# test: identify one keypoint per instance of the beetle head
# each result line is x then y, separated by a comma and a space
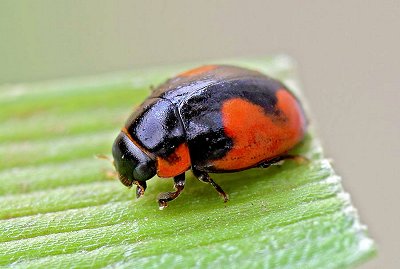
132, 164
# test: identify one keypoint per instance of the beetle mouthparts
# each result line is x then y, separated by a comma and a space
125, 181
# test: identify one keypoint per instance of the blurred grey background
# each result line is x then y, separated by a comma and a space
348, 53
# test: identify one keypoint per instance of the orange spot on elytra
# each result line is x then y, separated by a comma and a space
258, 136
197, 71
176, 163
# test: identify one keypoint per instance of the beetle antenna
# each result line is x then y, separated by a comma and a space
105, 157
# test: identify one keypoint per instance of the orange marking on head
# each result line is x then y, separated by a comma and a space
258, 136
175, 164
197, 71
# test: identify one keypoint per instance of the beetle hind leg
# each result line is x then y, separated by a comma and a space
165, 197
204, 177
297, 158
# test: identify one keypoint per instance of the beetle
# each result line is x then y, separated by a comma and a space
212, 119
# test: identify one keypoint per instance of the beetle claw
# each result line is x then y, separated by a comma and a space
139, 192
140, 188
162, 204
163, 199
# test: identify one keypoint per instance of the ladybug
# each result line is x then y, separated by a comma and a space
212, 119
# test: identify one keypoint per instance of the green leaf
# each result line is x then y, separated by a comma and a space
59, 208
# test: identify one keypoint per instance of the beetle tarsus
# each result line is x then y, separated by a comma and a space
165, 197
204, 177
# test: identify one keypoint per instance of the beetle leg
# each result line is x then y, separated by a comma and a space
204, 177
179, 184
141, 187
297, 158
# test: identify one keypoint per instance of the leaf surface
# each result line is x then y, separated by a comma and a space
59, 208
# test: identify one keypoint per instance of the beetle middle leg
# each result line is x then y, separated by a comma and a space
165, 197
204, 177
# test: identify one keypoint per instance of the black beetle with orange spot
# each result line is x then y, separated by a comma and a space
212, 119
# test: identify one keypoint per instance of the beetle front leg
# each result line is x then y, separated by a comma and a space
165, 197
204, 177
141, 187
